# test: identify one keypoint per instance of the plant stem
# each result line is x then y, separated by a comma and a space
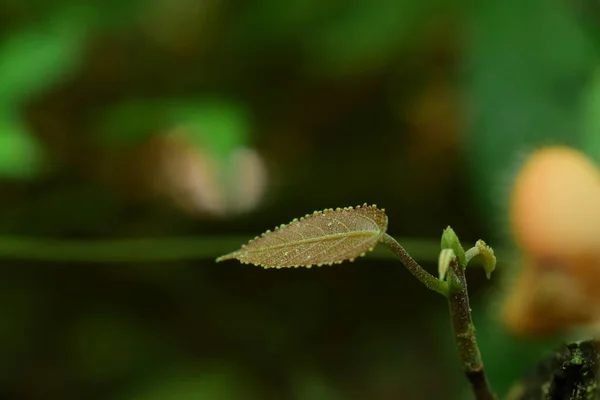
455, 290
464, 333
471, 253
425, 277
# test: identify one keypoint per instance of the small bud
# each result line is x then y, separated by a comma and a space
450, 241
446, 257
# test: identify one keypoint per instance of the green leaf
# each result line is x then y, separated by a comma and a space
20, 154
450, 241
488, 256
324, 237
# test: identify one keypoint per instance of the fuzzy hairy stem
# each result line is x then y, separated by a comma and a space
425, 277
471, 253
455, 290
464, 333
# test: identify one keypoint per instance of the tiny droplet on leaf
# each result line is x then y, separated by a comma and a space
324, 237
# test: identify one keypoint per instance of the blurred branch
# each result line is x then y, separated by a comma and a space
158, 249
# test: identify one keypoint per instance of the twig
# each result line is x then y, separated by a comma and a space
455, 290
425, 277
464, 333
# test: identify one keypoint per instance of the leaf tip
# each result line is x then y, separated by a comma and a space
229, 256
325, 225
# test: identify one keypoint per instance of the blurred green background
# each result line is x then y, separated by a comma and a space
140, 139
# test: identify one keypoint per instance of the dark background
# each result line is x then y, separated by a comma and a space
124, 120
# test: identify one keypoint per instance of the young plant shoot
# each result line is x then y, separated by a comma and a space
336, 235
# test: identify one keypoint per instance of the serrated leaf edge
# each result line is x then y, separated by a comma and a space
233, 255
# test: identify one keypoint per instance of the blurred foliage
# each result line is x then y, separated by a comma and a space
215, 124
524, 84
591, 117
125, 120
36, 58
20, 154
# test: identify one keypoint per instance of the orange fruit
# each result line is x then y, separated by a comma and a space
555, 220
